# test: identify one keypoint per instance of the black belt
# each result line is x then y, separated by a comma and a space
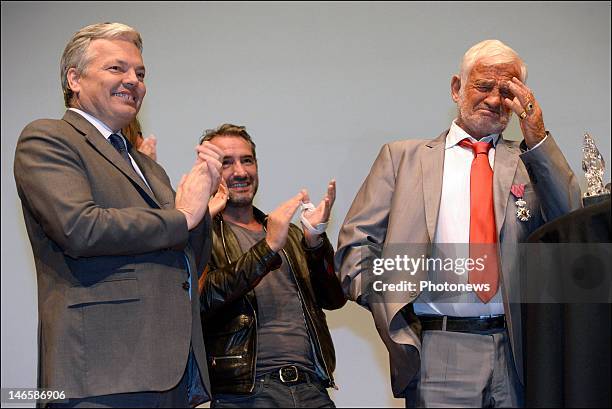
292, 375
462, 324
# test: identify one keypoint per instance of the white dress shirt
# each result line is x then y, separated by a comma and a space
452, 234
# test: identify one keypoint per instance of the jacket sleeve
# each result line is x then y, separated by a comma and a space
325, 284
200, 241
225, 283
552, 178
364, 230
56, 187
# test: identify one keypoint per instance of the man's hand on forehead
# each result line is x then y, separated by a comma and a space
528, 110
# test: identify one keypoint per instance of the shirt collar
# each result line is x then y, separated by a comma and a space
99, 125
457, 134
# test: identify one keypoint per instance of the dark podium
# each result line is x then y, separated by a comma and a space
567, 346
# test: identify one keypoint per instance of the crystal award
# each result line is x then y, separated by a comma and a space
594, 166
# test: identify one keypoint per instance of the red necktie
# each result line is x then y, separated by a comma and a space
483, 235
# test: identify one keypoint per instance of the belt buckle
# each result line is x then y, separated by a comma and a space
291, 368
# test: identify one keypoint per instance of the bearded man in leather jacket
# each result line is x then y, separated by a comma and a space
262, 294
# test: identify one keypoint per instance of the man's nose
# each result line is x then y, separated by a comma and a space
130, 79
239, 170
494, 98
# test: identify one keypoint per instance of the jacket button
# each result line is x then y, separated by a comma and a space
186, 286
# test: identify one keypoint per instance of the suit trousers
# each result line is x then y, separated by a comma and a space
177, 397
466, 370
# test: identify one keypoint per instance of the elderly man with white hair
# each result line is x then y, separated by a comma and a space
467, 198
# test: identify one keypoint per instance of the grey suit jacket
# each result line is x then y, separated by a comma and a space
398, 203
113, 261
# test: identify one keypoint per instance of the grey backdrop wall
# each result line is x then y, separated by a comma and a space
320, 86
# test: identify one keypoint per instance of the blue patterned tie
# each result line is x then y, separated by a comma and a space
118, 144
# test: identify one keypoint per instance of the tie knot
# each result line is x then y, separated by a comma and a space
476, 147
117, 143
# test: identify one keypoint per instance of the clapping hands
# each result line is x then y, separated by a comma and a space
319, 214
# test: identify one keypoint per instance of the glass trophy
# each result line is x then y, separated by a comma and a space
594, 166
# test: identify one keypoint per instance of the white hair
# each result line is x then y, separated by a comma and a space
493, 52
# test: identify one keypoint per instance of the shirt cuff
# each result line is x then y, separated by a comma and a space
540, 143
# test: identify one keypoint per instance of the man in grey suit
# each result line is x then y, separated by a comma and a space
427, 199
117, 254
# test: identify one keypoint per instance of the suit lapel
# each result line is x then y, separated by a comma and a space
506, 160
432, 166
163, 193
105, 149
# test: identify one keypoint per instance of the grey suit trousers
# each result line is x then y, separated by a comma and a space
466, 370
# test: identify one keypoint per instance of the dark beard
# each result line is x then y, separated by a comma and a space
241, 202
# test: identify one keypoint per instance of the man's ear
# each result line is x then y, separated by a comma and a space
73, 78
455, 87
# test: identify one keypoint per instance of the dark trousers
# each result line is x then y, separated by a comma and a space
272, 393
176, 397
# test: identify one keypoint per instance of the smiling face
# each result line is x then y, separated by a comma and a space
239, 169
480, 99
112, 86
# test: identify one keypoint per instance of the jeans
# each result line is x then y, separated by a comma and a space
272, 393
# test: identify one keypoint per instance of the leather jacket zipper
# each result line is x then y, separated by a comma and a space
255, 356
250, 304
222, 358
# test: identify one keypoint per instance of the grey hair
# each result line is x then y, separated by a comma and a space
493, 52
76, 52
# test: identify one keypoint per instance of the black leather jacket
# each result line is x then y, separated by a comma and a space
229, 306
